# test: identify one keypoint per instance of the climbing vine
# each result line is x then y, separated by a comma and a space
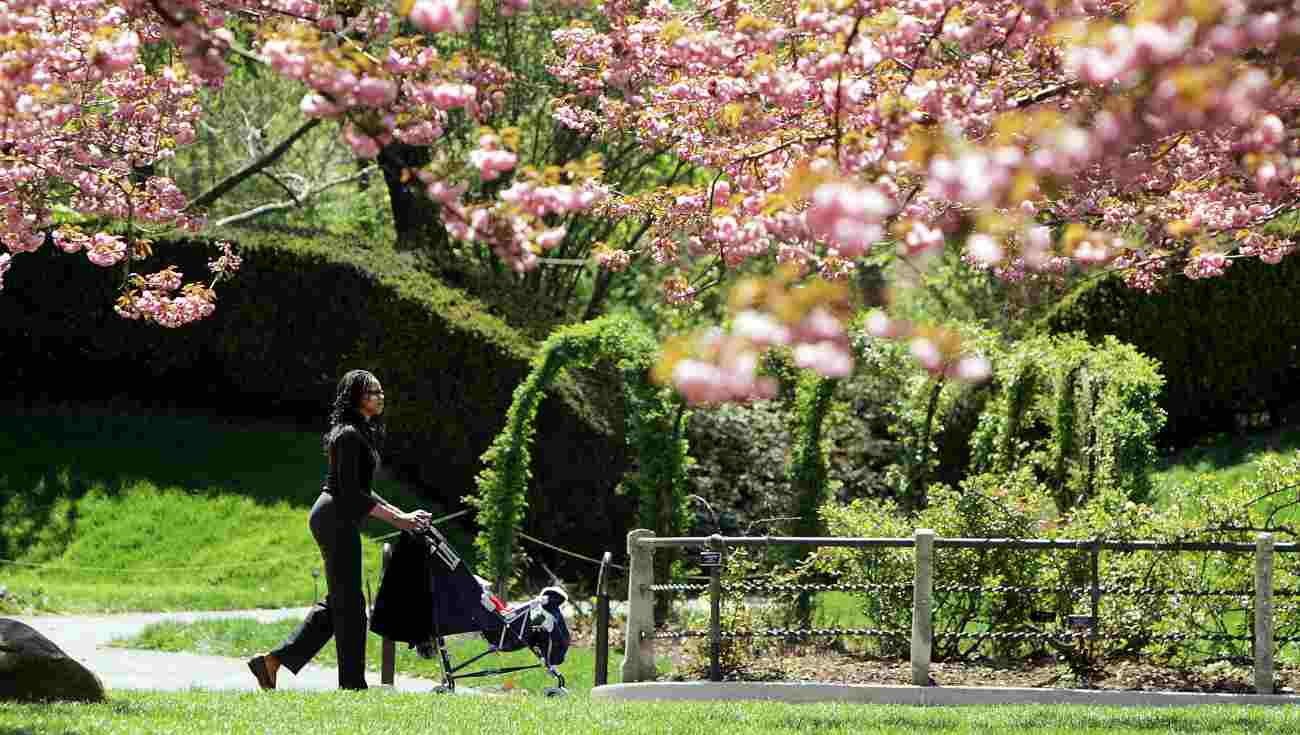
808, 470
654, 433
1083, 415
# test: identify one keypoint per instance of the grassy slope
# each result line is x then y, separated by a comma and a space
1230, 459
161, 513
389, 712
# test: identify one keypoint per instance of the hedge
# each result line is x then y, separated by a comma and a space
1227, 346
300, 313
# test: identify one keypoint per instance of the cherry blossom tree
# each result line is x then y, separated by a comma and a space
1039, 137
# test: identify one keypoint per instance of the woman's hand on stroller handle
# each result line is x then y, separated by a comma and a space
416, 520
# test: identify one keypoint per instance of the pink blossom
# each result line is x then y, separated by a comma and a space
984, 249
492, 163
550, 238
849, 216
374, 92
69, 242
760, 328
927, 353
612, 259
315, 105
437, 16
106, 250
827, 358
972, 369
878, 324
452, 96
363, 146
1207, 265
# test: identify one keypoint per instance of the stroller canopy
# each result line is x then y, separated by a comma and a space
428, 592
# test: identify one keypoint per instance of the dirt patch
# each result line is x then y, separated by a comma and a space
834, 667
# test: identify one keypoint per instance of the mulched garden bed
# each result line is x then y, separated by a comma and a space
832, 667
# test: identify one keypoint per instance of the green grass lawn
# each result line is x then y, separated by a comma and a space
117, 513
380, 711
1230, 459
245, 638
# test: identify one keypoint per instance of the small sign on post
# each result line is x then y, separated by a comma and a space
1080, 623
710, 558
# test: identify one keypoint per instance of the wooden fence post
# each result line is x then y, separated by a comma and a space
601, 677
639, 646
715, 613
922, 587
1264, 613
388, 665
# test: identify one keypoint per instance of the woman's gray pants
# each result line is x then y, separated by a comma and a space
343, 612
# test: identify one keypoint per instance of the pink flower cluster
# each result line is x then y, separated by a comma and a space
105, 250
157, 306
491, 159
441, 16
849, 216
612, 259
1206, 265
726, 371
723, 366
938, 351
227, 263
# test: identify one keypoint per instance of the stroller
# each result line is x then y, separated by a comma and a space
428, 593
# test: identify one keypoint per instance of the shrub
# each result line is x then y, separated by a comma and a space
929, 419
1227, 346
1137, 611
653, 431
1083, 416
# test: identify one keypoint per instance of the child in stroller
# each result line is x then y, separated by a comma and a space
428, 593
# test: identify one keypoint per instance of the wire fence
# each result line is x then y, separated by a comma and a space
1077, 629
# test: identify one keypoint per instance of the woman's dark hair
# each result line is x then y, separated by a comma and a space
346, 410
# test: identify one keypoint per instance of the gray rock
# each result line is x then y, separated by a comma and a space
33, 669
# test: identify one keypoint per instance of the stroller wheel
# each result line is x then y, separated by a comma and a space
555, 692
443, 689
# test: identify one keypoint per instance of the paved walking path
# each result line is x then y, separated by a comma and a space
85, 638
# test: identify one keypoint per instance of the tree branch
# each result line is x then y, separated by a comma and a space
235, 179
1046, 94
298, 200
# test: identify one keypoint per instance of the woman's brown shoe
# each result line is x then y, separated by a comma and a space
257, 665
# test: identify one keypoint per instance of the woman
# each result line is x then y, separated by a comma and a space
353, 441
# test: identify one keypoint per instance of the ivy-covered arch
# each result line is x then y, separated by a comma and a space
654, 433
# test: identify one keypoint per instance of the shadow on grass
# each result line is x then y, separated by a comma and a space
53, 462
1224, 451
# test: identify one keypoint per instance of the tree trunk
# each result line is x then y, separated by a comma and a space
415, 216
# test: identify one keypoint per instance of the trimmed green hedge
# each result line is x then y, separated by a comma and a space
1227, 346
300, 313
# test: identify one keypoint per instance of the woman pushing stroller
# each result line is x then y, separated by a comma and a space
353, 442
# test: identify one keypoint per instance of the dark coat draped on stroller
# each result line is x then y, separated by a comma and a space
428, 593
